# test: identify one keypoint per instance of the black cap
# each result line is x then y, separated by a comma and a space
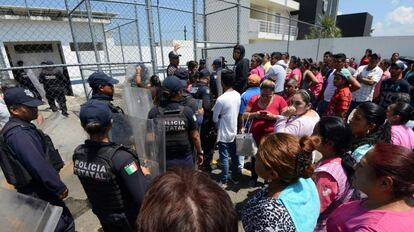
95, 111
217, 62
182, 73
204, 73
173, 55
100, 78
375, 56
173, 84
398, 65
339, 56
20, 96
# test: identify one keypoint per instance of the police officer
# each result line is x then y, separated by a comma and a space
110, 174
180, 126
201, 91
29, 160
188, 99
102, 87
53, 81
24, 80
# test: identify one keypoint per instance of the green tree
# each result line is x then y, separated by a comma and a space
326, 29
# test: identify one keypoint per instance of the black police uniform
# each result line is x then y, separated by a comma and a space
179, 121
113, 181
53, 81
33, 166
24, 81
208, 133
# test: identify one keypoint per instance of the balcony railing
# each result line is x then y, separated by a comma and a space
256, 25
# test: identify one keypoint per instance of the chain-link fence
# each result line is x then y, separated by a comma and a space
78, 37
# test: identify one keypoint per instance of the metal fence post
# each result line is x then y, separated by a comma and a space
122, 46
238, 21
138, 34
195, 28
148, 5
204, 29
106, 50
76, 45
95, 49
290, 25
160, 33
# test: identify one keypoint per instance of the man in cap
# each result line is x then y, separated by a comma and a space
102, 87
174, 58
180, 125
395, 88
368, 75
328, 88
29, 160
54, 84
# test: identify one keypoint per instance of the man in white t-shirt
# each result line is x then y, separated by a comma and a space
368, 76
277, 72
225, 113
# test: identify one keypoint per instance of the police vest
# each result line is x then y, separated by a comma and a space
101, 185
15, 173
176, 132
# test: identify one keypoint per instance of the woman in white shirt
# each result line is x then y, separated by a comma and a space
299, 118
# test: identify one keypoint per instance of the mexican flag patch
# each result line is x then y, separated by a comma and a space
131, 168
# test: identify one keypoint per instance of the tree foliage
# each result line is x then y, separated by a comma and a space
327, 29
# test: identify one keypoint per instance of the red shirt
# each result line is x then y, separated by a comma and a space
364, 61
262, 127
339, 104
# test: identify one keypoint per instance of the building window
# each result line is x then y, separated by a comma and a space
86, 46
33, 48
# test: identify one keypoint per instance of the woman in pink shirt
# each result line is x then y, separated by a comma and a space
398, 114
333, 171
256, 66
386, 175
296, 73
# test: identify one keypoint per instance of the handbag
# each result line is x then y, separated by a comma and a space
245, 144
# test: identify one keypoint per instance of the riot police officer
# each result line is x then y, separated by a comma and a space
201, 91
24, 81
28, 158
102, 87
53, 81
180, 125
110, 174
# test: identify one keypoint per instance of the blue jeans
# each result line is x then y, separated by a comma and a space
226, 150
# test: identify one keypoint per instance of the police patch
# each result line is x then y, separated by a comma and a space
131, 168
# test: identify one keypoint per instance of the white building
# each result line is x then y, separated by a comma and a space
35, 35
260, 20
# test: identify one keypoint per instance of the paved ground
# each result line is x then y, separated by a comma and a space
66, 134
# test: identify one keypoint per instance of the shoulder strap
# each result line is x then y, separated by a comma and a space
9, 126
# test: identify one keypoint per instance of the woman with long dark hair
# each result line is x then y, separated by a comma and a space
398, 114
333, 172
368, 128
386, 176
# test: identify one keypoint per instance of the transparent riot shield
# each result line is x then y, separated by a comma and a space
130, 74
37, 84
138, 101
146, 138
23, 213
